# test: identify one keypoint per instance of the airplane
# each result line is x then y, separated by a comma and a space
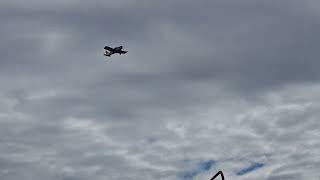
110, 51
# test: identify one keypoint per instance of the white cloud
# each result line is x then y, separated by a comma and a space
219, 80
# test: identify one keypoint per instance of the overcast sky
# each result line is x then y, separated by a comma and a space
206, 85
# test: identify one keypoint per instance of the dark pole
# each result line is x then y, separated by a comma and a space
218, 173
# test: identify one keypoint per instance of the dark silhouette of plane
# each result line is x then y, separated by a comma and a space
218, 173
110, 51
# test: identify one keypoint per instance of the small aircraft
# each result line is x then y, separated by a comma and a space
110, 51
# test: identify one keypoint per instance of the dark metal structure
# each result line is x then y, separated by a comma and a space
216, 175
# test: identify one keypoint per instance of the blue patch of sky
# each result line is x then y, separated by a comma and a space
207, 165
249, 169
201, 167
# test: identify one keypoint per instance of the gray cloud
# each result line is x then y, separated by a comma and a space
232, 82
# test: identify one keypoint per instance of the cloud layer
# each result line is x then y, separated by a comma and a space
206, 86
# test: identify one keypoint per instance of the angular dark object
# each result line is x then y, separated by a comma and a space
218, 173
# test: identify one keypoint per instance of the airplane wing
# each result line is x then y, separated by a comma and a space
108, 48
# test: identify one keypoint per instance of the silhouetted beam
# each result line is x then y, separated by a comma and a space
218, 173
